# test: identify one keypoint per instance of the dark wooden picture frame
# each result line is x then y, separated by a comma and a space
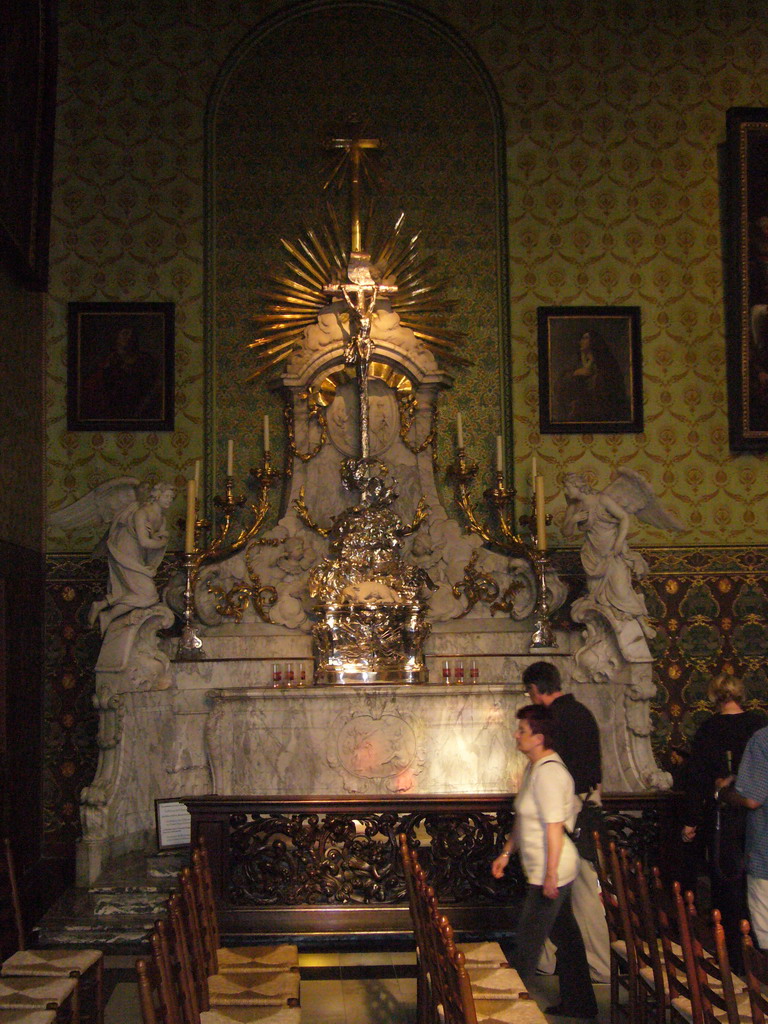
590, 370
28, 56
747, 277
121, 366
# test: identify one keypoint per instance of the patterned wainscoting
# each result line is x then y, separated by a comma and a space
710, 606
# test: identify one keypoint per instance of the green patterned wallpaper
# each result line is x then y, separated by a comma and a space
614, 114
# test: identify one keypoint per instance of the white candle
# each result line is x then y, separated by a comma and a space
198, 492
266, 433
499, 455
533, 470
189, 536
459, 430
230, 457
541, 519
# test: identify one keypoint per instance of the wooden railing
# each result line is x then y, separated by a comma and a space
329, 865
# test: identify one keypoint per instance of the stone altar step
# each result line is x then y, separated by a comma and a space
117, 912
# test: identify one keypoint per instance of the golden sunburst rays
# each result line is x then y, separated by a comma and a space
293, 298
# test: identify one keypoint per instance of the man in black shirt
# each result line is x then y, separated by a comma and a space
577, 741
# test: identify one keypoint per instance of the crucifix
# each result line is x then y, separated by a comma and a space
353, 145
363, 286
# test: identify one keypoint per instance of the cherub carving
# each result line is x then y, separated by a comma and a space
602, 518
135, 542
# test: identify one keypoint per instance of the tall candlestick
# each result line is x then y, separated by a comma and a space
533, 470
459, 430
230, 457
266, 433
499, 455
189, 536
198, 492
541, 520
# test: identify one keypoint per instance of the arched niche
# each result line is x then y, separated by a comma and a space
294, 80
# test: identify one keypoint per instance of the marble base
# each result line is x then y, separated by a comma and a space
372, 739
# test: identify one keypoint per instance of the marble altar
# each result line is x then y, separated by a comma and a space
171, 727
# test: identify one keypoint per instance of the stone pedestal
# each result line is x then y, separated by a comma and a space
368, 740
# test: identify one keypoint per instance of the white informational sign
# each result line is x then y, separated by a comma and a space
174, 824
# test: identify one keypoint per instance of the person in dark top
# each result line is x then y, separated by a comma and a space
716, 751
577, 741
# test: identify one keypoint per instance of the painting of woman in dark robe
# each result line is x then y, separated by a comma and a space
589, 376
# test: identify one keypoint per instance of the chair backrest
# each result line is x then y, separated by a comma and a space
756, 969
188, 956
608, 891
713, 971
12, 935
676, 946
158, 995
194, 935
645, 929
201, 867
149, 997
209, 930
453, 991
626, 925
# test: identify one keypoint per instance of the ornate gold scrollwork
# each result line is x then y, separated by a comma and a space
475, 586
408, 405
300, 506
233, 602
315, 413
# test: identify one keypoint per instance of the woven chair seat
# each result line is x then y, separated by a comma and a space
619, 947
683, 1007
489, 953
742, 1005
54, 962
26, 993
252, 1015
27, 1016
495, 982
508, 1011
280, 957
255, 988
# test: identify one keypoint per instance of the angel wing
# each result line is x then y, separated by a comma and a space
635, 495
100, 506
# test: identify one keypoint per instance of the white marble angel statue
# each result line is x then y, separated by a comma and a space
135, 542
602, 518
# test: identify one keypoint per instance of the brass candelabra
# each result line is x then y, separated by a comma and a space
230, 536
499, 533
543, 635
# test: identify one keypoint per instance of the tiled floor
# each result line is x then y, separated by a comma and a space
347, 988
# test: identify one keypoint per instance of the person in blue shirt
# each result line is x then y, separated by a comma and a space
750, 790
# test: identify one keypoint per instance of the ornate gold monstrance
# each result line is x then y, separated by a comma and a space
371, 614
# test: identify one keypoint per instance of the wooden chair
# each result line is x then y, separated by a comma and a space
684, 999
652, 991
226, 959
85, 966
238, 989
169, 987
409, 861
158, 984
503, 998
619, 955
620, 949
756, 969
709, 957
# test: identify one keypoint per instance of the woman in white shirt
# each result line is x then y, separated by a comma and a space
544, 808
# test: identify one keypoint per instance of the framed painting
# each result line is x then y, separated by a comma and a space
590, 370
120, 368
747, 277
